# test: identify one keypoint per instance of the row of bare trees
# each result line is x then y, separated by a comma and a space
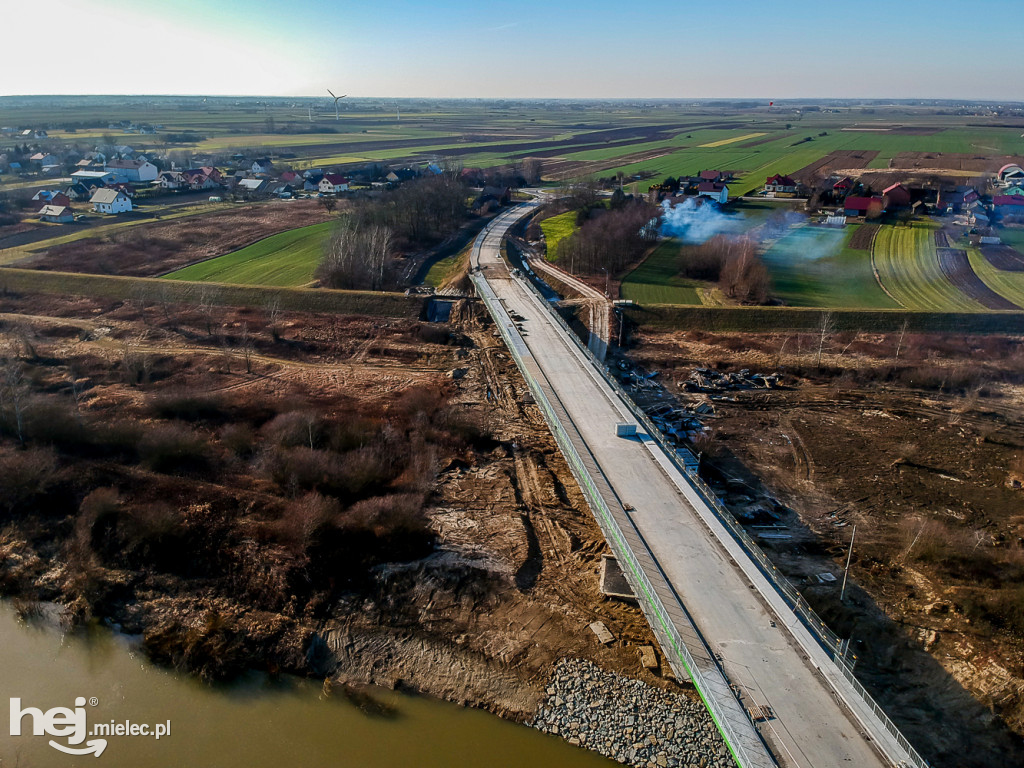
360, 253
609, 241
733, 263
358, 256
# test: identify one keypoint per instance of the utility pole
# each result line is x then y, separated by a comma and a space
849, 557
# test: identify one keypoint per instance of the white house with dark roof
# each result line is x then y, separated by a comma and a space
110, 201
333, 183
132, 170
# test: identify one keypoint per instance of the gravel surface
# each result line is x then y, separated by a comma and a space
628, 720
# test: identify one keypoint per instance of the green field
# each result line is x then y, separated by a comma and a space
555, 229
1010, 285
814, 267
656, 279
40, 282
440, 272
286, 259
908, 267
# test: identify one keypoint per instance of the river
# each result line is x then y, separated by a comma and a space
256, 723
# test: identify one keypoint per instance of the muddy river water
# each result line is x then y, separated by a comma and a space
257, 723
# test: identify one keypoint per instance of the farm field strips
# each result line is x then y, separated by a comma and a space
287, 259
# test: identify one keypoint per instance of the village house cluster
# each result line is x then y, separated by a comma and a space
113, 179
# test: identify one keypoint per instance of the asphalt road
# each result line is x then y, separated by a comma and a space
779, 666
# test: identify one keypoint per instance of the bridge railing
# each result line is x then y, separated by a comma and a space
828, 639
668, 634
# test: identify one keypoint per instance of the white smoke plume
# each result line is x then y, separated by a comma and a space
693, 223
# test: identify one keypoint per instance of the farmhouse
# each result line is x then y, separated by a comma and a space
843, 187
402, 174
714, 175
312, 182
78, 191
896, 196
1009, 206
963, 198
56, 214
780, 186
171, 180
714, 191
261, 165
44, 159
132, 170
110, 201
94, 177
863, 206
291, 177
252, 187
1009, 174
52, 198
121, 186
333, 183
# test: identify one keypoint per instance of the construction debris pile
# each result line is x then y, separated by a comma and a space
710, 380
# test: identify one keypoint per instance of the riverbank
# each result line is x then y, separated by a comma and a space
374, 501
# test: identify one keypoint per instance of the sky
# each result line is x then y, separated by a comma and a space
774, 49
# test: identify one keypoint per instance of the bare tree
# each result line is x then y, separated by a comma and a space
825, 330
248, 348
533, 167
903, 332
15, 392
206, 302
744, 276
357, 257
328, 203
273, 310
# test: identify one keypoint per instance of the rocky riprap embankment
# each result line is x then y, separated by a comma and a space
628, 720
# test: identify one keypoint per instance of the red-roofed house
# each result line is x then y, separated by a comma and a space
712, 175
1009, 206
843, 187
213, 173
780, 186
896, 196
863, 206
58, 199
293, 178
333, 183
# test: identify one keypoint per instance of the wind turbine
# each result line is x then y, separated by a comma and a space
336, 100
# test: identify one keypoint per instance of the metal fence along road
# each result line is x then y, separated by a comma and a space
746, 748
687, 651
828, 639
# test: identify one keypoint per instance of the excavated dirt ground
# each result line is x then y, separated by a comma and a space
513, 582
923, 453
517, 516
